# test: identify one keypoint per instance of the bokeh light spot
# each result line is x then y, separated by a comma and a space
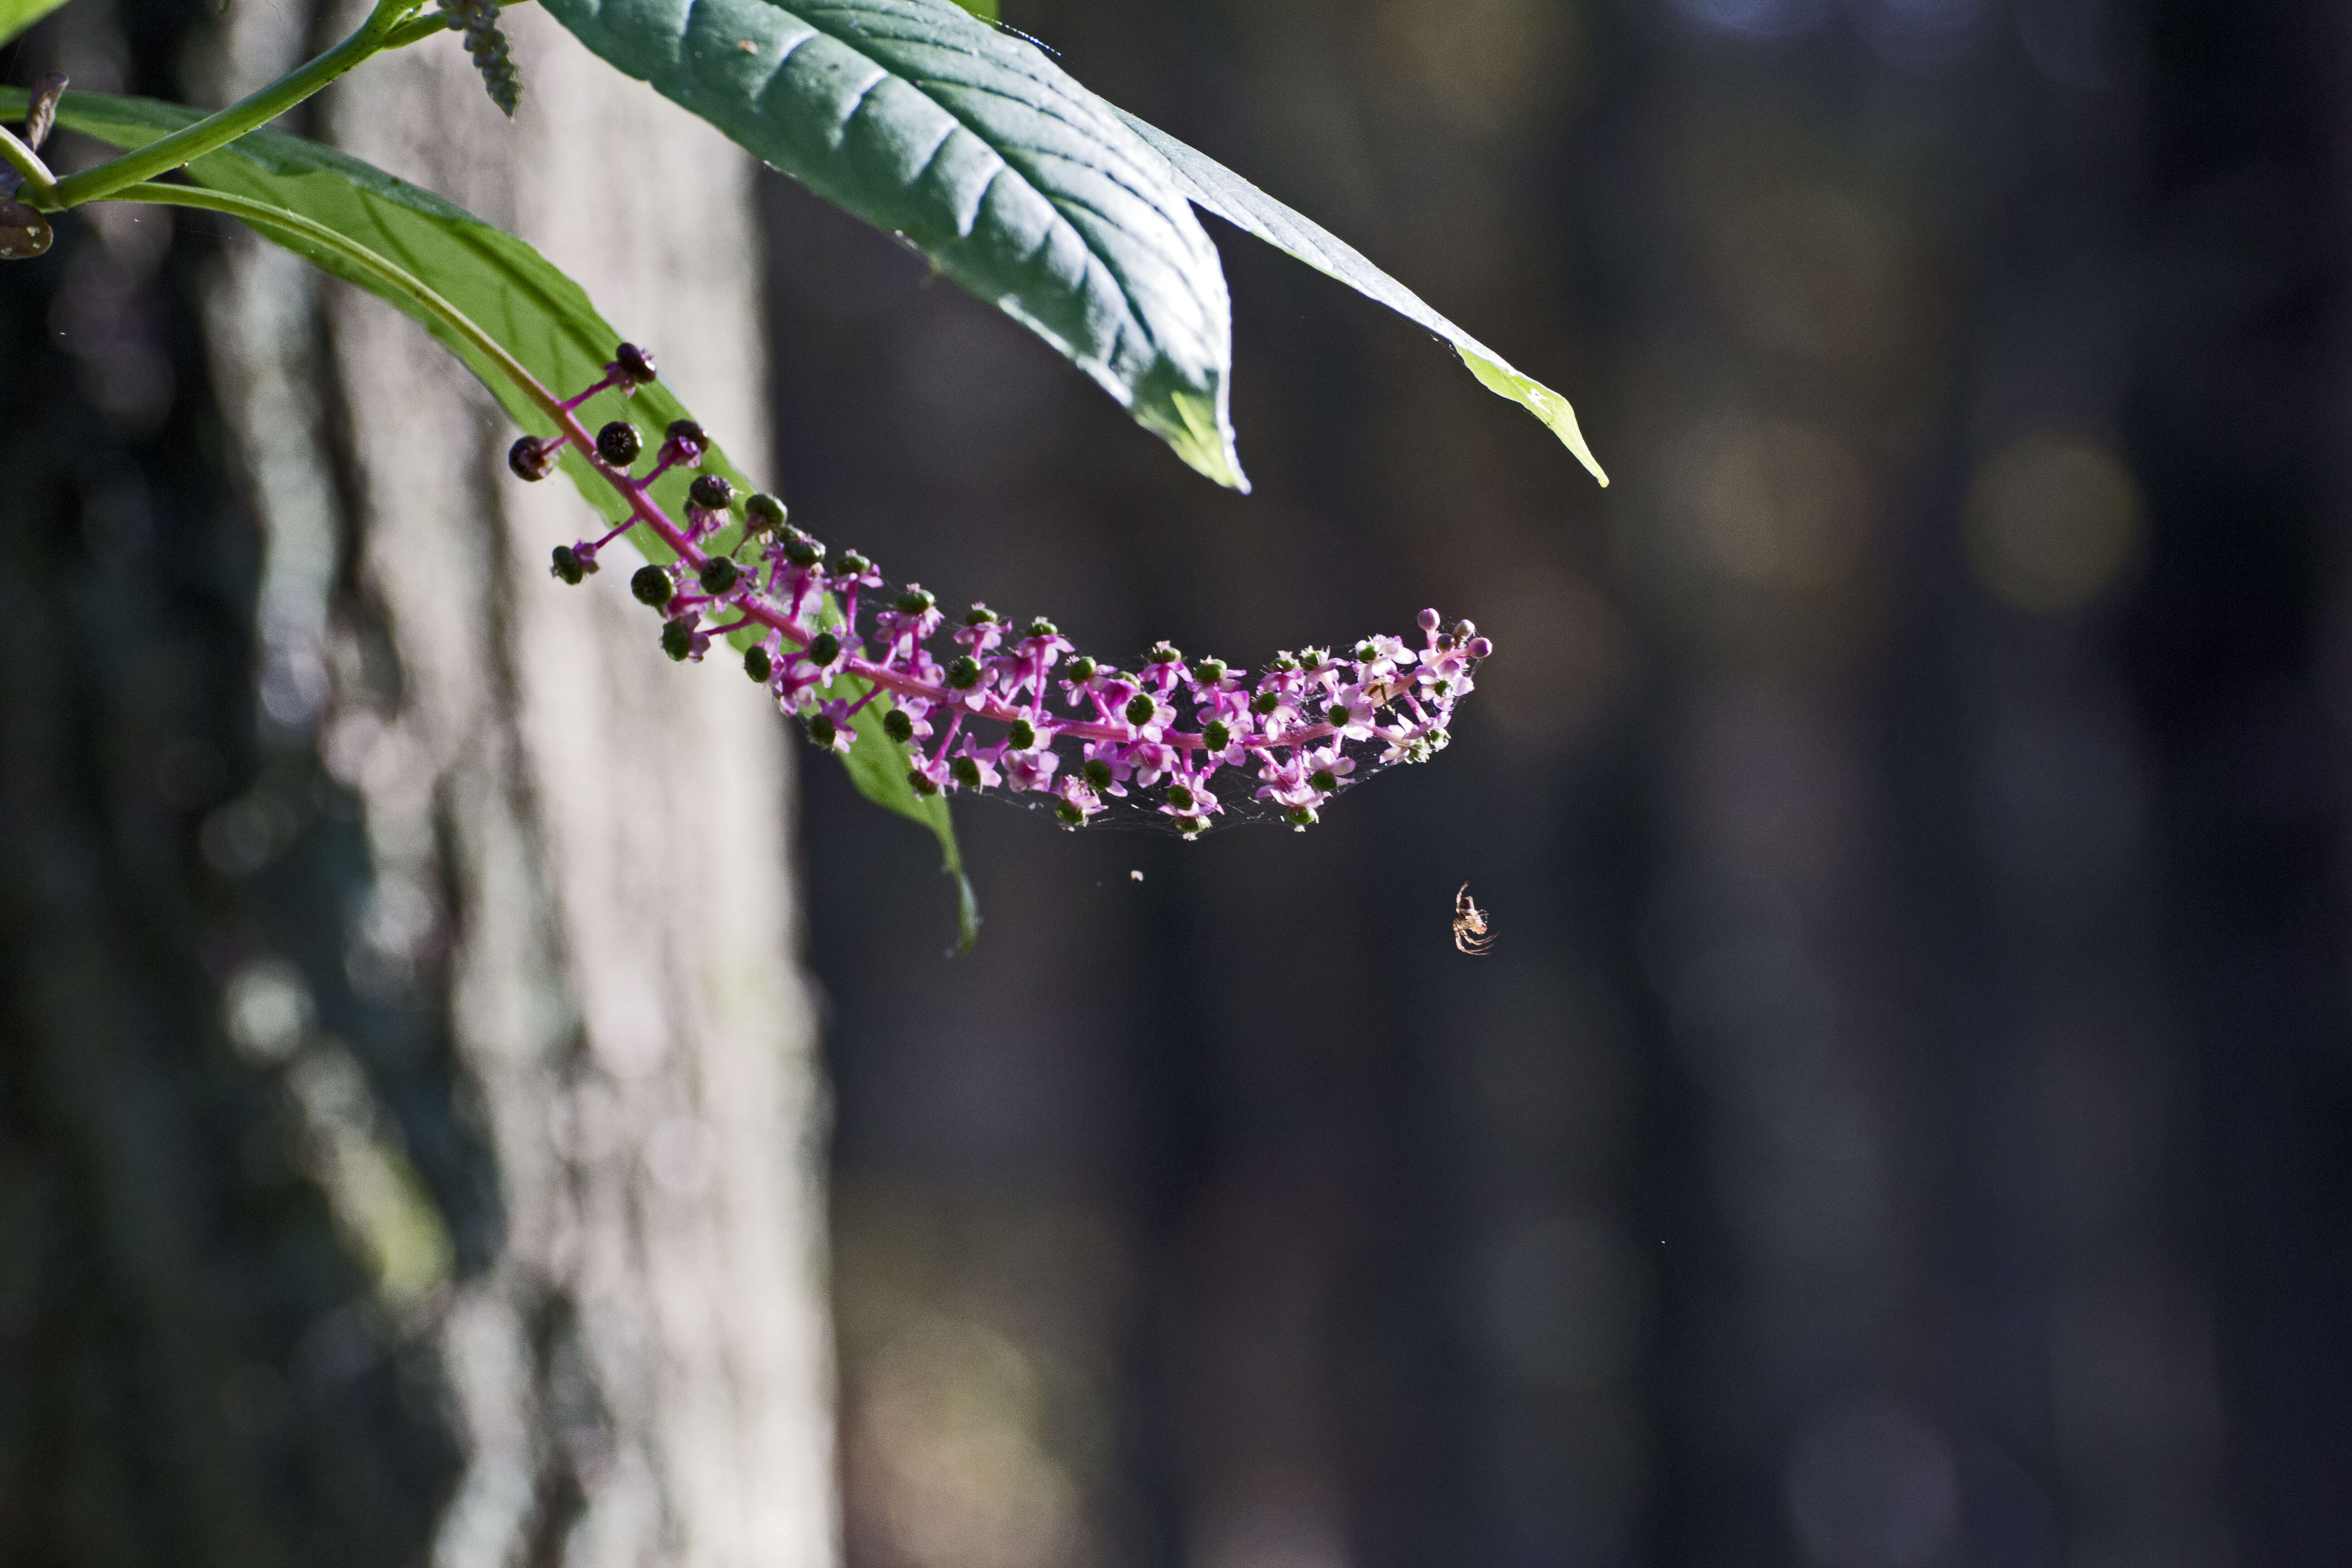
2051, 521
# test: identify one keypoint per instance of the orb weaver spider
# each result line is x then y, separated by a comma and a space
1470, 925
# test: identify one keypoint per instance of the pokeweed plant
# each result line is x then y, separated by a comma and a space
923, 118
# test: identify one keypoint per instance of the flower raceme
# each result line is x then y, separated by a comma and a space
1003, 707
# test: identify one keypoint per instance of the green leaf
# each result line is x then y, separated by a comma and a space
1211, 184
509, 291
15, 15
1014, 179
984, 9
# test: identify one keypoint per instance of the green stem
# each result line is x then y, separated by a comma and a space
280, 223
217, 130
39, 182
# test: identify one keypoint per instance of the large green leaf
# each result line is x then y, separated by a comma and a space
15, 15
1221, 190
1017, 181
506, 288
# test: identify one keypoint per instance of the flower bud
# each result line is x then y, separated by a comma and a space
677, 639
568, 567
1022, 734
1217, 734
636, 364
719, 574
533, 458
619, 443
1428, 620
1480, 647
964, 673
898, 726
711, 492
1139, 709
1464, 630
763, 511
652, 585
758, 665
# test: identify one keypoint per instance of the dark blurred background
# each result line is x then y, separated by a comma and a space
1904, 1119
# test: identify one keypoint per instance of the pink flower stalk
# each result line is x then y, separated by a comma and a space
1133, 732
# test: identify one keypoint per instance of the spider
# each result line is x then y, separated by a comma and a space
1470, 925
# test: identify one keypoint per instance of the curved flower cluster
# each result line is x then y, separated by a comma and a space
1001, 705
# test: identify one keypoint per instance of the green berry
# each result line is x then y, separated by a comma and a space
636, 364
677, 639
1266, 702
964, 673
711, 492
1070, 814
1139, 709
758, 665
1218, 734
719, 574
1082, 669
1180, 797
966, 771
822, 730
567, 565
618, 443
825, 648
533, 458
920, 783
898, 726
652, 585
763, 512
1022, 734
1097, 773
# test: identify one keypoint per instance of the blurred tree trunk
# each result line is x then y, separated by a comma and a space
477, 925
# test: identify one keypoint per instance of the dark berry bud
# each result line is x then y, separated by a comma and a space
1022, 734
652, 586
1042, 627
763, 511
966, 771
801, 549
1321, 779
1139, 709
619, 443
1218, 734
1097, 773
1166, 653
711, 492
1210, 670
920, 783
825, 648
533, 458
758, 665
822, 730
915, 601
981, 615
898, 726
1266, 702
1070, 814
567, 565
964, 673
1180, 797
1082, 669
636, 364
677, 639
719, 574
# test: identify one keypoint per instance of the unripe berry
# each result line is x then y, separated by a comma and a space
677, 639
652, 585
1180, 797
801, 549
1321, 779
1209, 671
567, 565
719, 574
619, 443
1166, 653
1097, 773
1139, 709
1022, 734
1042, 627
763, 511
981, 615
1300, 816
636, 364
758, 665
920, 783
964, 673
1266, 702
1218, 734
916, 601
711, 492
898, 726
1070, 814
533, 458
966, 771
825, 648
1082, 670
850, 564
